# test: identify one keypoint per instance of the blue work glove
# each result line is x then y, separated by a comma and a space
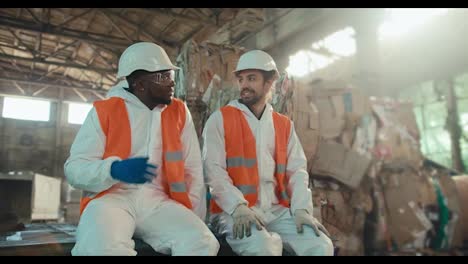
133, 170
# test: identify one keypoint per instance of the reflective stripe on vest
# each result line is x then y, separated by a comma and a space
241, 160
115, 124
173, 156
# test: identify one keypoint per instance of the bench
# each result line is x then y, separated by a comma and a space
59, 239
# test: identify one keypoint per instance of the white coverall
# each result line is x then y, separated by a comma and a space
280, 224
108, 224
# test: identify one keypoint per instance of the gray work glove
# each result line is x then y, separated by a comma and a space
244, 217
302, 217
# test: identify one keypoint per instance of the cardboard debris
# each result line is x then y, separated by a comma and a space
205, 81
336, 161
461, 183
340, 108
346, 244
306, 123
395, 143
343, 212
363, 153
404, 206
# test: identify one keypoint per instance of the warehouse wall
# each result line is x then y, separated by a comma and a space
32, 145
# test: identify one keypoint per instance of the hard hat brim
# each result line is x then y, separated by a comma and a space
239, 70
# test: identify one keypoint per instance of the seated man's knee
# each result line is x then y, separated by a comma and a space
260, 243
208, 240
212, 244
199, 242
87, 248
320, 246
271, 245
327, 246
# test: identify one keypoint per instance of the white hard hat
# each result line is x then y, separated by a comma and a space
256, 59
144, 56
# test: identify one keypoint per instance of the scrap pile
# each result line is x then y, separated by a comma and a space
371, 187
206, 81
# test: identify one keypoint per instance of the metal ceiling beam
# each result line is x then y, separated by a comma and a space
34, 16
139, 27
100, 96
19, 87
106, 15
54, 85
186, 18
60, 49
142, 24
40, 91
69, 65
100, 39
97, 51
30, 50
80, 95
38, 77
49, 72
94, 46
74, 18
197, 29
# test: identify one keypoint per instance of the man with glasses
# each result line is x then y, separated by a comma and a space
137, 160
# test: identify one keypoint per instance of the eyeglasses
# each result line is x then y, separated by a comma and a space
163, 78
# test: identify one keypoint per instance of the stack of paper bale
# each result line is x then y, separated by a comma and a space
346, 132
461, 183
422, 204
369, 148
337, 131
205, 81
370, 186
343, 212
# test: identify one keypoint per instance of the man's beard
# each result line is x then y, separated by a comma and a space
251, 100
161, 100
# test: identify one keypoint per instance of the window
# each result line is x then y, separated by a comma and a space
431, 114
341, 43
323, 53
26, 109
77, 112
399, 21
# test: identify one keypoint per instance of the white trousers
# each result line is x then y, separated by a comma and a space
280, 232
108, 224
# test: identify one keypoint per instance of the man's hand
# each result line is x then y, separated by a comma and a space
244, 217
302, 217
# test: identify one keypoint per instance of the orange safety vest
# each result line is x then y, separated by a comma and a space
115, 124
241, 158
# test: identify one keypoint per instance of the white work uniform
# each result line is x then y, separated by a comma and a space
108, 224
278, 219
